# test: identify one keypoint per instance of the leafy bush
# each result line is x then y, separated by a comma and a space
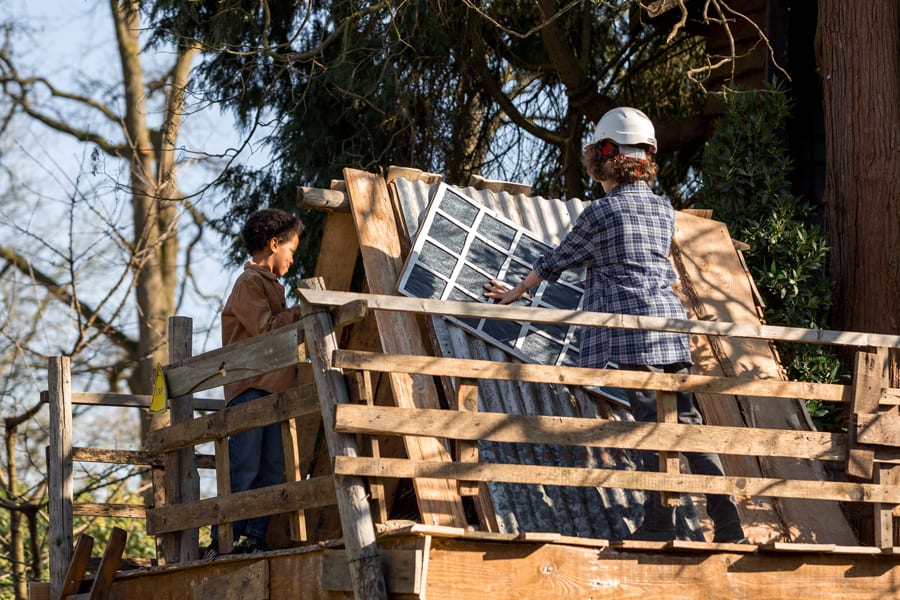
745, 173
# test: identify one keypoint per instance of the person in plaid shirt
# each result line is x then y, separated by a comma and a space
623, 240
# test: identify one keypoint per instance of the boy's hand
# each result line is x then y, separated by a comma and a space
502, 293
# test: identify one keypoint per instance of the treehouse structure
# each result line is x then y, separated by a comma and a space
441, 447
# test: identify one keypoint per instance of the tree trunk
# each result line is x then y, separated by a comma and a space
858, 56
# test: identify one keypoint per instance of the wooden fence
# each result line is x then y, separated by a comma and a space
870, 448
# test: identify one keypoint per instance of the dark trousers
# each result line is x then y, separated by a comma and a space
721, 508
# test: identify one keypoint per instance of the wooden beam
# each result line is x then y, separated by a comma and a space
615, 378
356, 518
596, 319
117, 457
322, 199
439, 503
247, 358
572, 431
259, 502
610, 478
296, 402
94, 509
467, 451
60, 475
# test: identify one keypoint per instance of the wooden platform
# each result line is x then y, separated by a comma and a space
449, 563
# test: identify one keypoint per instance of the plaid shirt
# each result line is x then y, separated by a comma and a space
623, 240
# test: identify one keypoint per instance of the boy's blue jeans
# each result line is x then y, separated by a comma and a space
256, 459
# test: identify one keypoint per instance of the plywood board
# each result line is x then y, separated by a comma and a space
717, 287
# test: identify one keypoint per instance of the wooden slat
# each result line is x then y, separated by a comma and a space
357, 526
117, 457
378, 233
112, 555
615, 378
259, 502
296, 402
669, 462
402, 571
681, 483
247, 358
427, 306
293, 470
571, 431
95, 509
467, 451
77, 566
878, 429
869, 371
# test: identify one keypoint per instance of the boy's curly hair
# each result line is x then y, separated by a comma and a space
268, 223
620, 169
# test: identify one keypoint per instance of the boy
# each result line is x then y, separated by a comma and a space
257, 305
624, 240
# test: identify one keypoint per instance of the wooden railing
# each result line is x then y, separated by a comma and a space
871, 449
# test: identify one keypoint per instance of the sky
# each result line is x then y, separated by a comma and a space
71, 43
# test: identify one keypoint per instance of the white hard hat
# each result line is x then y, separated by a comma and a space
625, 126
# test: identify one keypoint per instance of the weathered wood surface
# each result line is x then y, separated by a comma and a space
681, 483
60, 475
137, 400
869, 376
244, 583
296, 402
259, 502
247, 358
381, 301
485, 369
117, 457
350, 491
569, 431
716, 286
94, 509
439, 502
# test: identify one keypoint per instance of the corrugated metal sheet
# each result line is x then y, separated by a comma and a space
585, 512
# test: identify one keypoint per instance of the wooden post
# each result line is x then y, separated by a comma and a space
868, 376
223, 488
352, 498
61, 485
467, 451
667, 412
182, 479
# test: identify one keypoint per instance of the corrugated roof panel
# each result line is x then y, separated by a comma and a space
585, 512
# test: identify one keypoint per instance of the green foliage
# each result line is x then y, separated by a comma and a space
745, 170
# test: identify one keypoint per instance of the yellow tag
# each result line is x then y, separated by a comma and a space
160, 394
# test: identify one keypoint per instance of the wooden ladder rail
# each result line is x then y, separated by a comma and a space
106, 572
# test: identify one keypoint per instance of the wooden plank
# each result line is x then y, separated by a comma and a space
293, 471
109, 564
315, 492
245, 583
486, 369
338, 251
571, 431
439, 502
402, 571
94, 509
681, 483
182, 478
467, 451
480, 183
117, 457
77, 566
223, 490
366, 571
364, 393
379, 301
669, 462
883, 522
719, 287
61, 482
869, 373
878, 429
248, 358
296, 402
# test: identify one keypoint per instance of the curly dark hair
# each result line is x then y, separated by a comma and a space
618, 168
268, 223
